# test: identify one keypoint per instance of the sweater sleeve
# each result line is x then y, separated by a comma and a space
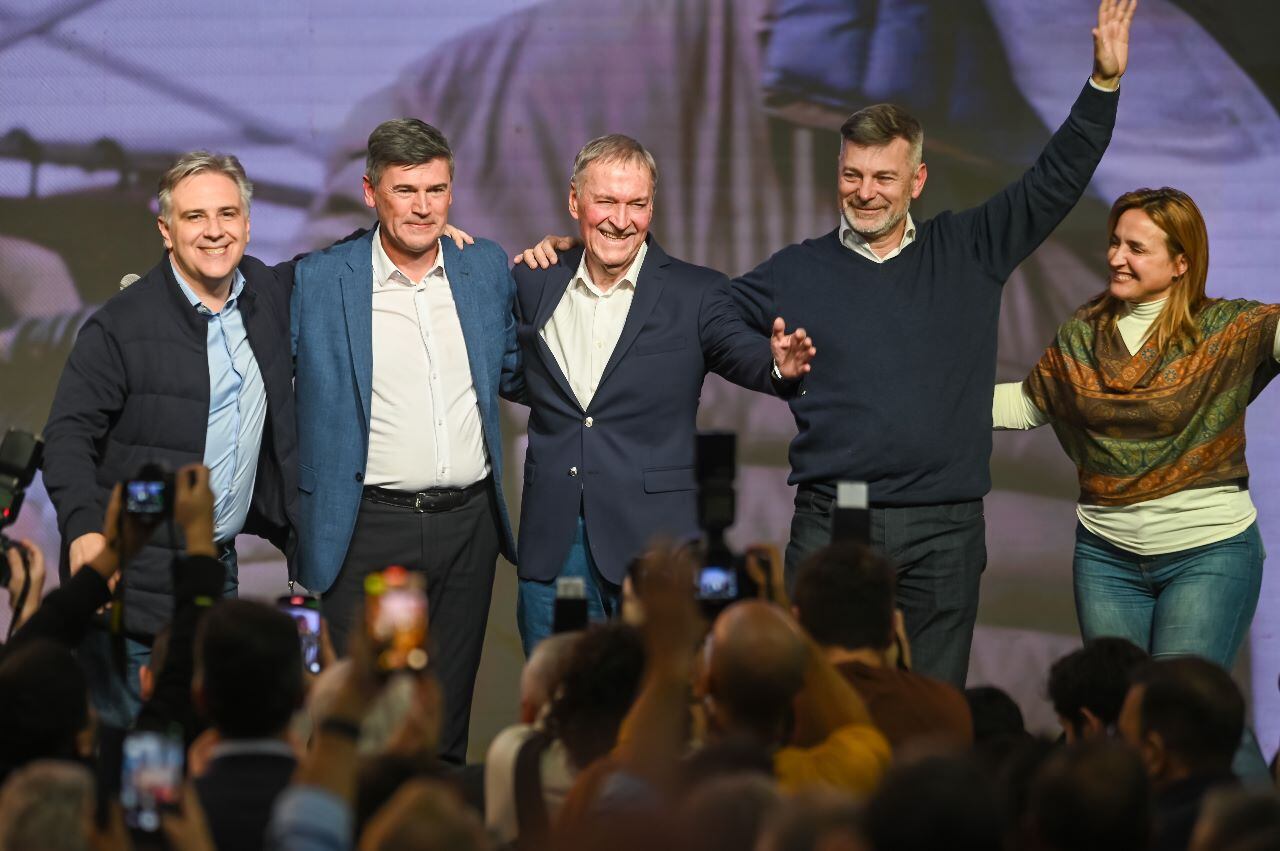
90, 392
1009, 226
732, 348
1011, 408
753, 296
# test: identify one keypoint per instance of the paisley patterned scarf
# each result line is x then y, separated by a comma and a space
1146, 425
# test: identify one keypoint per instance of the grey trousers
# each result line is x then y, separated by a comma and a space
940, 552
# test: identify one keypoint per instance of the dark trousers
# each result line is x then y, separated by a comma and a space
940, 552
455, 551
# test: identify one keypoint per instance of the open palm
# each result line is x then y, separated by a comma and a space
1111, 39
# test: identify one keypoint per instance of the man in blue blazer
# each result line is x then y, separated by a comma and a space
402, 344
617, 338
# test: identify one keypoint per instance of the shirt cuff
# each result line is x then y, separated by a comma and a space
1102, 89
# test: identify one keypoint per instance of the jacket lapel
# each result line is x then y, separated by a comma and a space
554, 286
457, 267
653, 277
356, 284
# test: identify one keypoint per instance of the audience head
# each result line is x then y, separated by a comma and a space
755, 667
542, 673
995, 714
44, 711
1185, 716
248, 669
728, 813
47, 806
844, 597
600, 681
1239, 819
937, 802
424, 815
1092, 797
1087, 687
816, 822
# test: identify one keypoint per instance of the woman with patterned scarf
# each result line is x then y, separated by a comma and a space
1146, 388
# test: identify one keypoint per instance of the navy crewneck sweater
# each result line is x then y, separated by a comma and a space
900, 391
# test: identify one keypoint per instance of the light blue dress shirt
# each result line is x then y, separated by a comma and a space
237, 411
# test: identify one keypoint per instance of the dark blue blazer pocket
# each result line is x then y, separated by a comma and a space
662, 344
306, 479
664, 479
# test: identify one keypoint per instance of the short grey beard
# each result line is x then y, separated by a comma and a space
893, 222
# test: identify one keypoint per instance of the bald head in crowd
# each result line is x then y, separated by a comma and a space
755, 668
542, 674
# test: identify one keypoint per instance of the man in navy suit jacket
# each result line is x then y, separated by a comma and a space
402, 344
616, 340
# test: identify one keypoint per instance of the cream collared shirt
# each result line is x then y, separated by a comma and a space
853, 241
584, 329
424, 428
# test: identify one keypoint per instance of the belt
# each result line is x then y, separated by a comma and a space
430, 500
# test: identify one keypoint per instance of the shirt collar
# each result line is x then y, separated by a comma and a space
387, 274
629, 280
237, 287
847, 233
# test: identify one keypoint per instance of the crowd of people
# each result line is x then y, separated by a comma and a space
344, 405
760, 726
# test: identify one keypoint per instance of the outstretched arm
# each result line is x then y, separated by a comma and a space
1012, 408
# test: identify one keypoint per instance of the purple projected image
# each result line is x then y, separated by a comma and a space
740, 102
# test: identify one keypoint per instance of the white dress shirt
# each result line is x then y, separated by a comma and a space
584, 329
853, 240
424, 429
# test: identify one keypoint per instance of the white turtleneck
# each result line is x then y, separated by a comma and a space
1179, 521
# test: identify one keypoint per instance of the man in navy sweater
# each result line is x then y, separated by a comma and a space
907, 314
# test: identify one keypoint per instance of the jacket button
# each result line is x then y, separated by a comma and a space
573, 471
359, 477
589, 422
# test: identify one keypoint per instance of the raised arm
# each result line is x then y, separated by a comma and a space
1013, 223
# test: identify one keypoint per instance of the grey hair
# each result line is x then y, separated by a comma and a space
878, 125
404, 141
197, 162
47, 805
614, 148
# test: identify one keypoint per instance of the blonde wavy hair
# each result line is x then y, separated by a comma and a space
1174, 212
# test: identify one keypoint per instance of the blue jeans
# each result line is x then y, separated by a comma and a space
1195, 601
536, 601
116, 695
940, 552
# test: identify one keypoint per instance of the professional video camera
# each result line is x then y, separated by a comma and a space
19, 459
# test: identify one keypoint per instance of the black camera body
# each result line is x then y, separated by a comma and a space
20, 455
722, 579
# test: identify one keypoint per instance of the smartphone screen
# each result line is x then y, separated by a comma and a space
306, 617
719, 583
144, 496
150, 778
570, 613
396, 618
